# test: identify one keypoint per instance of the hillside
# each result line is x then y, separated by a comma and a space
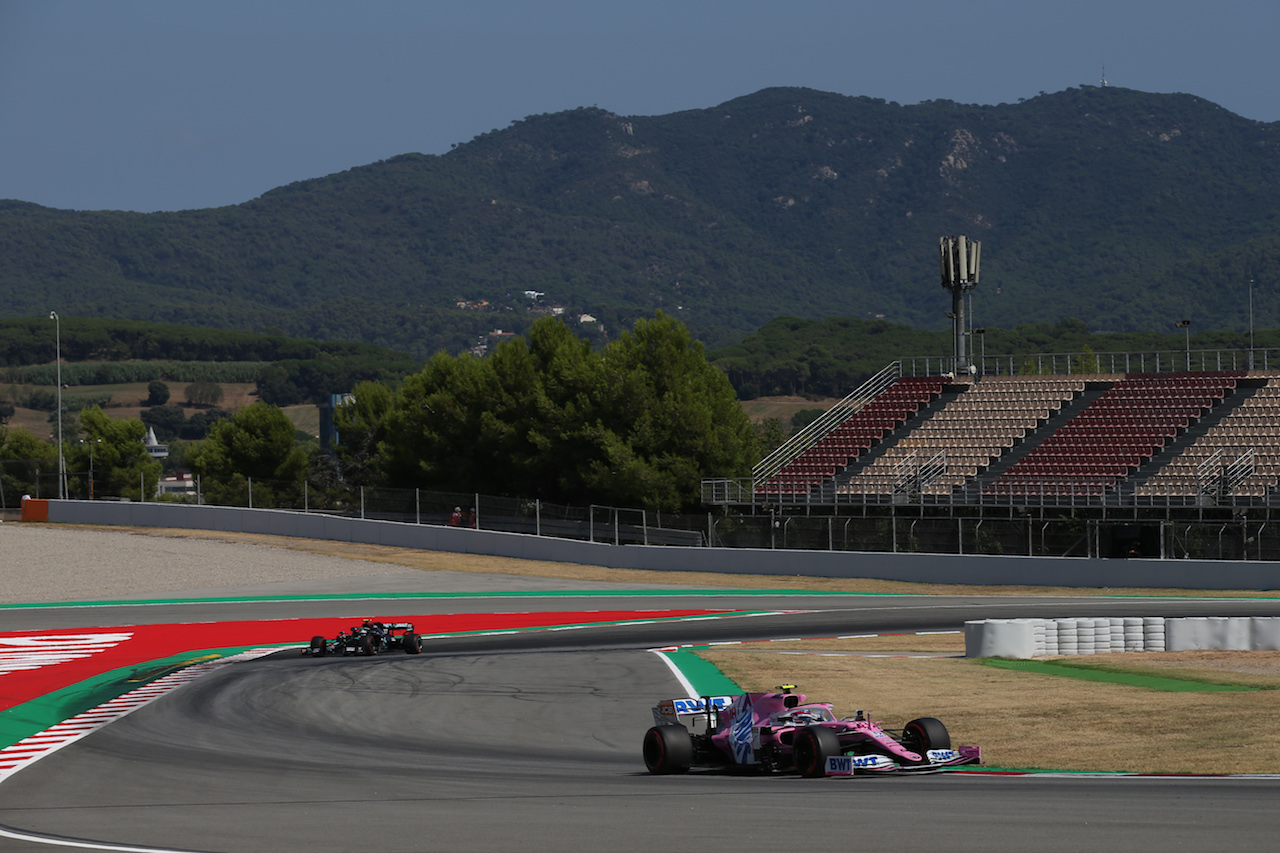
1120, 208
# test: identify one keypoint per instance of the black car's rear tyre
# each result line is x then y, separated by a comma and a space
412, 643
925, 733
811, 748
668, 749
318, 646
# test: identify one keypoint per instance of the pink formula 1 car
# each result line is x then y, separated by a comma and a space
785, 732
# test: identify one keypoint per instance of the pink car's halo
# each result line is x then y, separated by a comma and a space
784, 732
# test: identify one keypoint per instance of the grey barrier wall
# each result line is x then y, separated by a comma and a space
919, 568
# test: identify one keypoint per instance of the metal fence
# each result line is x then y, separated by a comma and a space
1233, 538
595, 523
1200, 533
1073, 363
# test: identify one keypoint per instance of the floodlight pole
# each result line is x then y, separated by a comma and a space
57, 344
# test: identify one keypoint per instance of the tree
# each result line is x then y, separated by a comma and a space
166, 420
803, 417
257, 443
203, 393
121, 465
769, 436
360, 425
157, 393
676, 419
24, 462
198, 425
637, 424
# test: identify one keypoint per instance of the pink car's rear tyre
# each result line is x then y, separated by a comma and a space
668, 749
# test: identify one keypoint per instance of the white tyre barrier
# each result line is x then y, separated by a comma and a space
1264, 633
1028, 638
1115, 634
1189, 634
1068, 637
1134, 637
1000, 638
1230, 633
1153, 633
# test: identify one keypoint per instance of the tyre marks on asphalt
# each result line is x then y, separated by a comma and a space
19, 755
34, 664
44, 662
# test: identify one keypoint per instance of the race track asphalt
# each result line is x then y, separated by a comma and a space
530, 742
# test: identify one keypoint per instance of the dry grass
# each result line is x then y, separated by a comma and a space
783, 408
1026, 720
127, 401
305, 418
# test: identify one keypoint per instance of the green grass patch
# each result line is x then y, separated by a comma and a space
1089, 672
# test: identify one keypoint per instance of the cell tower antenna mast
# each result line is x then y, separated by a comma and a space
1104, 76
960, 258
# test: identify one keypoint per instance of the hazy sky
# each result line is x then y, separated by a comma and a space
143, 105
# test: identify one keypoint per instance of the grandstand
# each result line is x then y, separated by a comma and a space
1175, 438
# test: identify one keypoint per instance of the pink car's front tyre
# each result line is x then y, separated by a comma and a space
811, 748
925, 733
668, 749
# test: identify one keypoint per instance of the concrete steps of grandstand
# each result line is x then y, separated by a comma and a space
1244, 389
972, 490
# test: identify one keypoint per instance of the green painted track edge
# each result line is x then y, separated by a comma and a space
705, 677
719, 592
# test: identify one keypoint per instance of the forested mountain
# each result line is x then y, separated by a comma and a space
1120, 208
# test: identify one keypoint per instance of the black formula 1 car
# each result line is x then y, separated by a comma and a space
370, 638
